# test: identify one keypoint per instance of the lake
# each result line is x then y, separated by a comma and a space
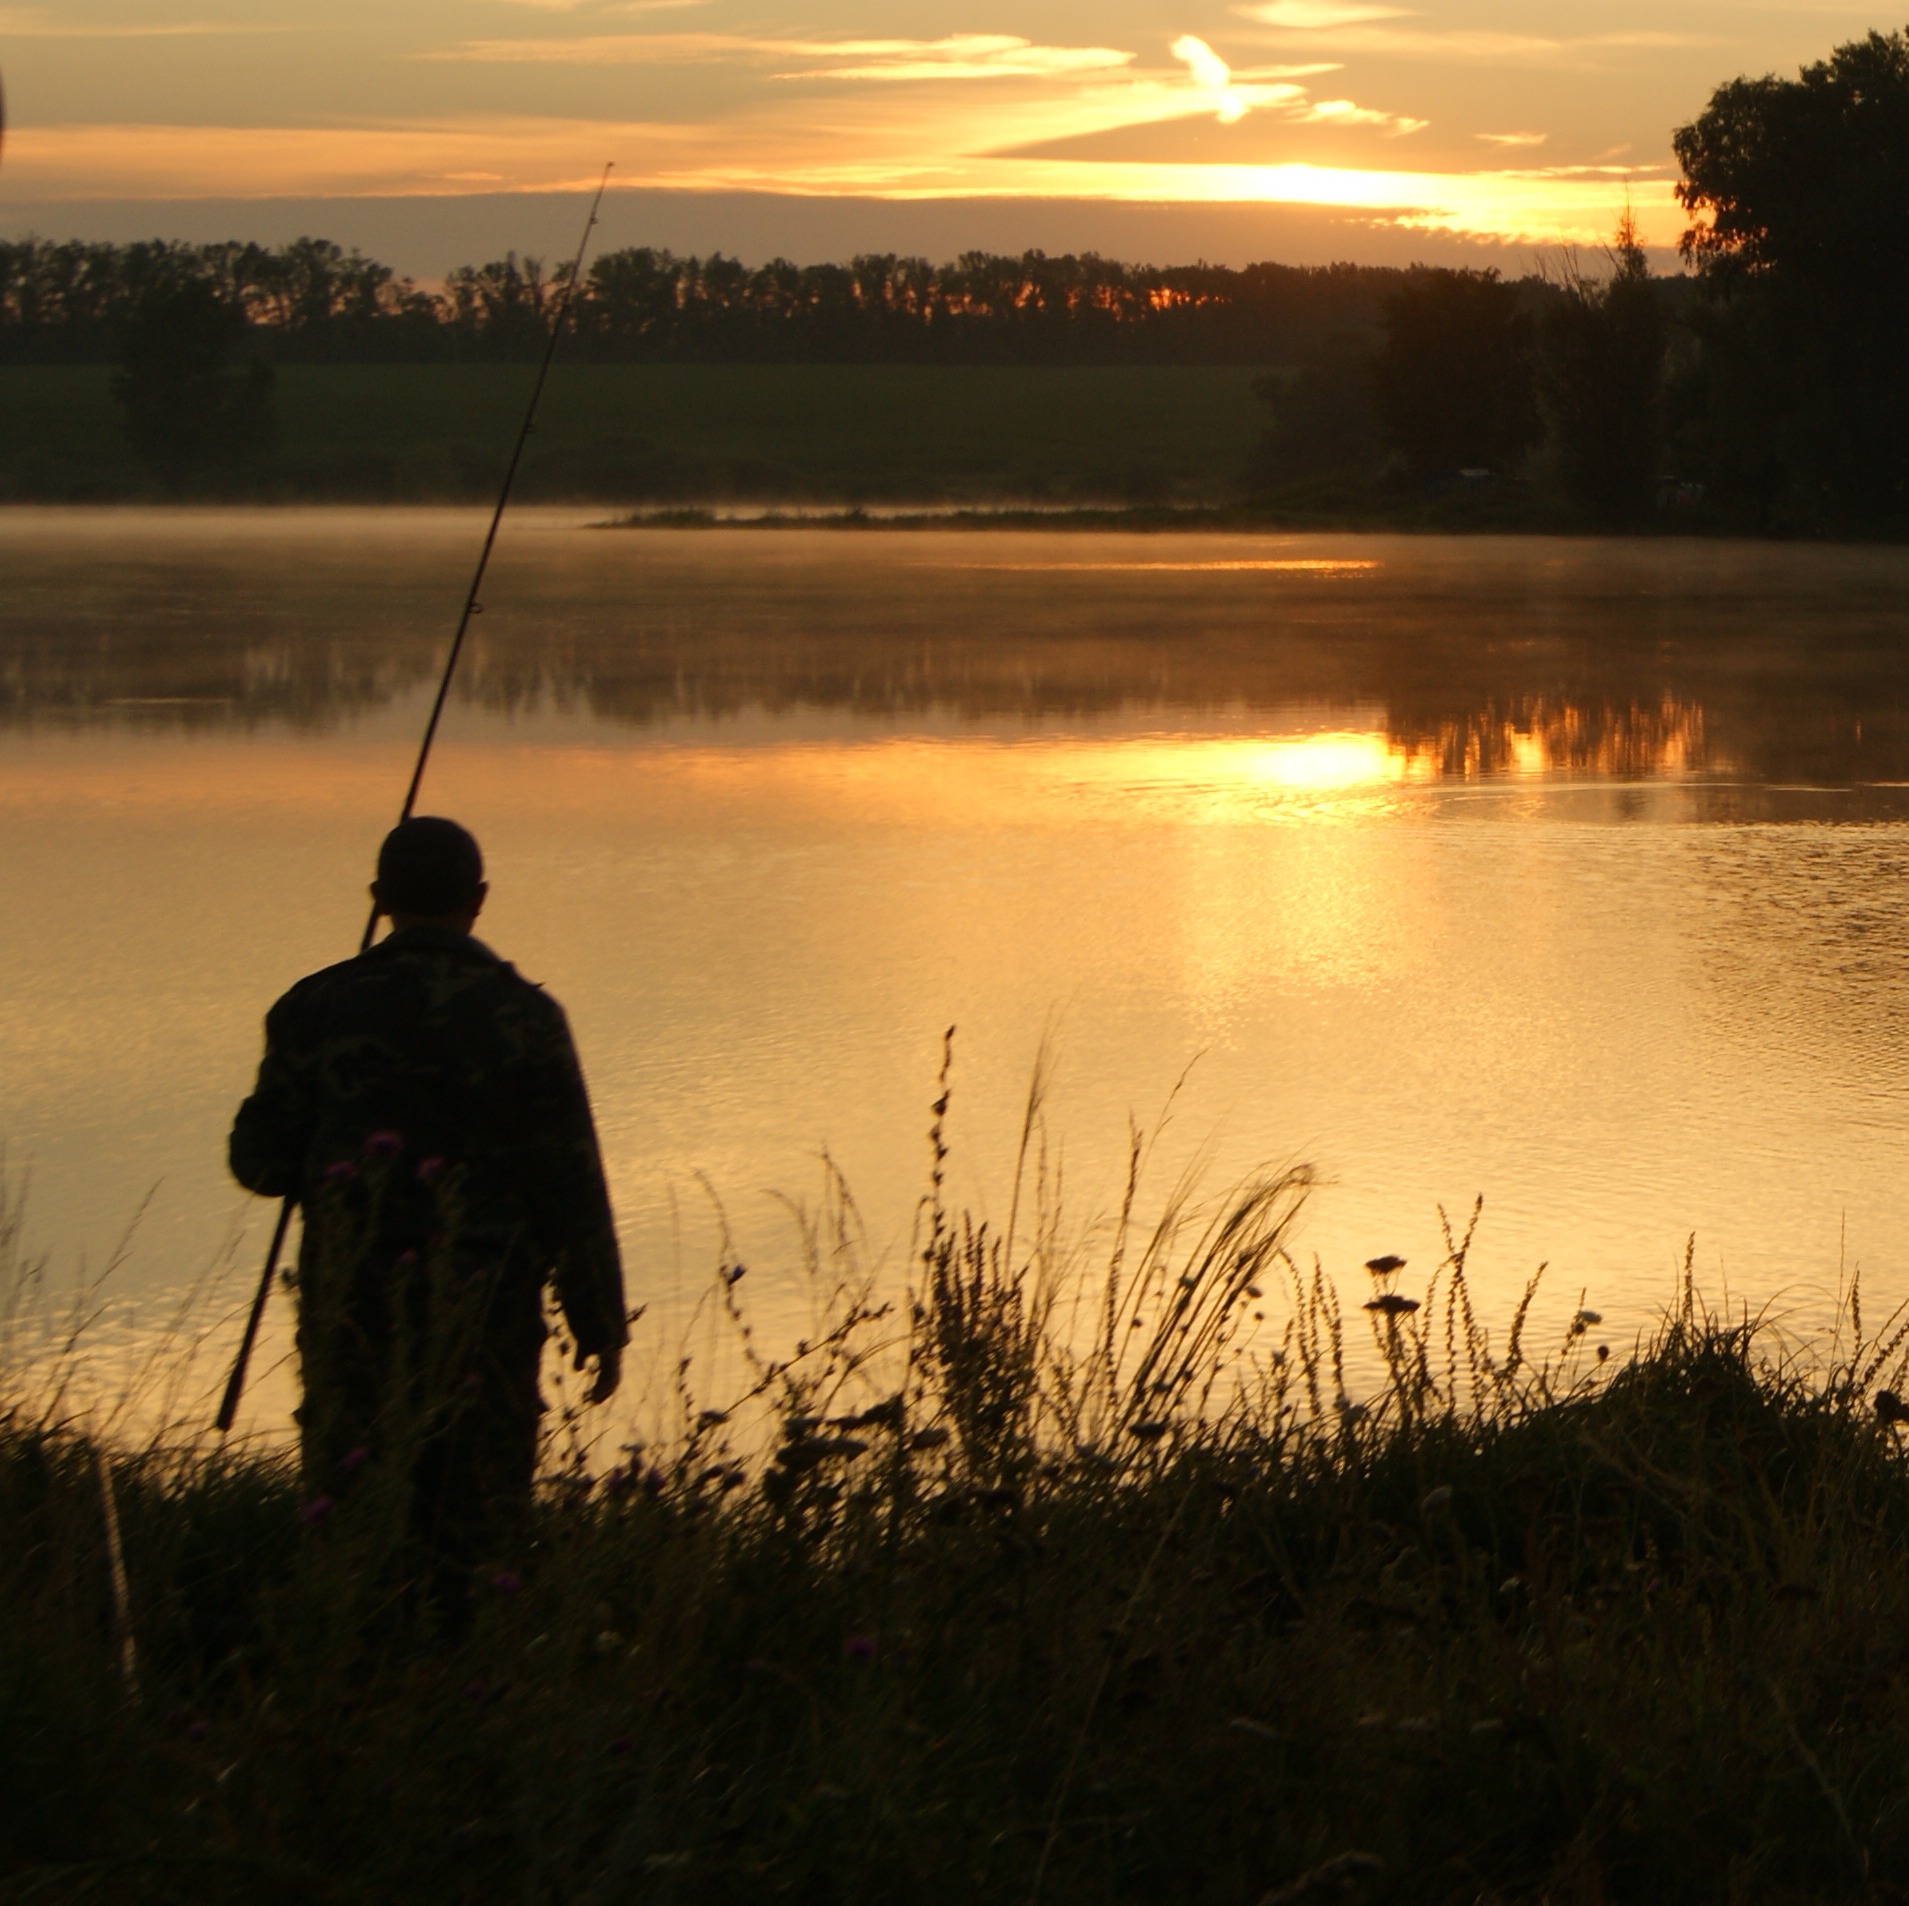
1565, 873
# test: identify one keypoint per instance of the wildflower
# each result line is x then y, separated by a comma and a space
315, 1511
859, 1648
1384, 1266
341, 1173
1604, 1353
735, 1273
384, 1144
198, 1730
355, 1459
1148, 1430
1391, 1304
1586, 1318
507, 1581
430, 1170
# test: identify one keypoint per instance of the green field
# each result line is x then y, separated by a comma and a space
680, 433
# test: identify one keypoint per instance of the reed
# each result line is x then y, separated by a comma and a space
1057, 1578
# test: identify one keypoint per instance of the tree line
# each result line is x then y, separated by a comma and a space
1766, 388
314, 300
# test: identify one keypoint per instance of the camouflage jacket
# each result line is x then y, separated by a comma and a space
429, 1070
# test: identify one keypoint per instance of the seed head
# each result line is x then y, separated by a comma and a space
1391, 1304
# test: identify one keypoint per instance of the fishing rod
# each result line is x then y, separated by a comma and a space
235, 1384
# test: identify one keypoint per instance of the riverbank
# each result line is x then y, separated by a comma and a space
967, 1615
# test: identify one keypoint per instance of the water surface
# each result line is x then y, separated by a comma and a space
1568, 874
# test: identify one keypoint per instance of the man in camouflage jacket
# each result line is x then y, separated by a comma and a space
424, 1105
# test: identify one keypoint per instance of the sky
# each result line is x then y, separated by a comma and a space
1167, 129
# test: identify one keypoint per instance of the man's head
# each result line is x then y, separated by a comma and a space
430, 873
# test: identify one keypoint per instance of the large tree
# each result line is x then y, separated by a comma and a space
1798, 190
1453, 375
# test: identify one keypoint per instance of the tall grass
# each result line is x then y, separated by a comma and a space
1035, 1584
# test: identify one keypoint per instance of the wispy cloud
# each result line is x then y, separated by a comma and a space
1514, 138
1213, 77
1371, 29
1343, 112
959, 56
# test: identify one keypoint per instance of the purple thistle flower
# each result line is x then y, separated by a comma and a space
407, 1260
507, 1581
342, 1173
860, 1648
314, 1512
384, 1144
198, 1730
355, 1459
616, 1482
430, 1170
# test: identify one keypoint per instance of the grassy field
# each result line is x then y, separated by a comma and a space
682, 433
1031, 1589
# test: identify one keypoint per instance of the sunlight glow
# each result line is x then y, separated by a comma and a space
885, 156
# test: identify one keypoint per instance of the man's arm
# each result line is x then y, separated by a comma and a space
564, 1178
273, 1130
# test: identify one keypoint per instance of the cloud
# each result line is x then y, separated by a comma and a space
1342, 112
1213, 77
1315, 15
1361, 29
958, 56
1513, 138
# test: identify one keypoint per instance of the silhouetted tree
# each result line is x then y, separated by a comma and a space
1601, 380
188, 404
1799, 195
1454, 372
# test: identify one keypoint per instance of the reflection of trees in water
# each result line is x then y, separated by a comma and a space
1541, 736
1619, 660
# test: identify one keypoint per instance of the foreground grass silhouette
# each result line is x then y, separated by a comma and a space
1000, 1598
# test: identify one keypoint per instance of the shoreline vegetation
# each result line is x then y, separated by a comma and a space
1084, 1571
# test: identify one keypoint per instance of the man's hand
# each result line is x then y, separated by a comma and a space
609, 1373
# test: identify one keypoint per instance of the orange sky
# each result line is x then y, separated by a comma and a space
1529, 123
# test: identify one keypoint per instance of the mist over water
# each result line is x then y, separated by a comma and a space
1568, 873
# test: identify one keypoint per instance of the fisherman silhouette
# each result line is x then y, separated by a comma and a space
424, 1105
